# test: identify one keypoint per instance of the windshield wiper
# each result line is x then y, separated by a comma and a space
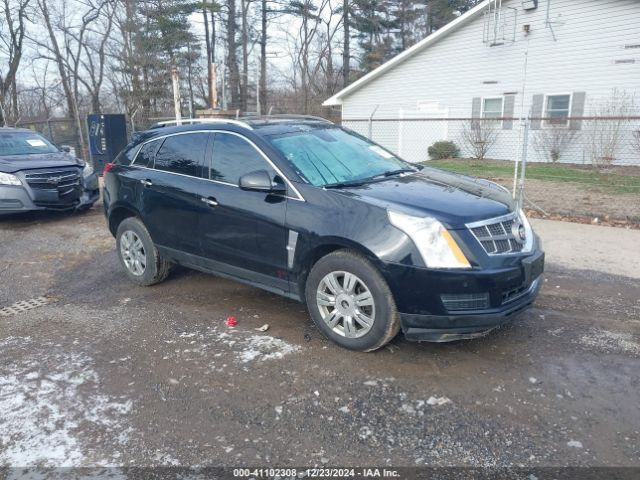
351, 183
363, 181
392, 173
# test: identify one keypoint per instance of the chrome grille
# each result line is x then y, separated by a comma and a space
59, 179
496, 236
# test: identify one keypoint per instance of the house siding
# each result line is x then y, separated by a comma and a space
590, 36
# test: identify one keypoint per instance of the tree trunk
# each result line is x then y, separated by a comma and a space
232, 59
208, 45
346, 53
244, 84
263, 60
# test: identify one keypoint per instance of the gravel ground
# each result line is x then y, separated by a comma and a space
110, 374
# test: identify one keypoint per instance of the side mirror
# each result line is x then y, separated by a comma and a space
260, 181
65, 148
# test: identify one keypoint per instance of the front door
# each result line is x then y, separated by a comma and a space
171, 205
243, 232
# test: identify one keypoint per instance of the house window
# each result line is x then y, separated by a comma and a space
492, 107
557, 110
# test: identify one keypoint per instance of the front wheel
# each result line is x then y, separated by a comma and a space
350, 302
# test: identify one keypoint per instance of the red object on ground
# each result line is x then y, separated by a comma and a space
107, 167
231, 322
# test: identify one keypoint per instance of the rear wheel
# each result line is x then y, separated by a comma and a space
350, 302
141, 260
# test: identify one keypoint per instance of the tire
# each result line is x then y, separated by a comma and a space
363, 300
154, 269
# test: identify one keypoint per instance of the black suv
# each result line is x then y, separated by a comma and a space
307, 209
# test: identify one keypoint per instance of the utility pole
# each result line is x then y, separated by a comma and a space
213, 85
176, 95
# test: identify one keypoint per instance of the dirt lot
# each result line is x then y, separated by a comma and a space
572, 199
109, 374
566, 190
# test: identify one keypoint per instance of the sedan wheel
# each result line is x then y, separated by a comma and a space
133, 253
346, 304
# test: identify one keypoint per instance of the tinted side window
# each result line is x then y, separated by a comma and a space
182, 153
126, 156
145, 156
233, 157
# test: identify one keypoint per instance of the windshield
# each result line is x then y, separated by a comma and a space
332, 156
24, 143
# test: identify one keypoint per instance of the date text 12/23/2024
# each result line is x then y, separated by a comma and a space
294, 473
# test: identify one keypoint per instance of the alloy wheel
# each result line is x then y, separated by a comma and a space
133, 253
346, 304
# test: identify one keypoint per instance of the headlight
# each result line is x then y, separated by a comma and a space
87, 170
528, 243
8, 179
433, 241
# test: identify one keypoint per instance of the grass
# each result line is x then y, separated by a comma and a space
613, 180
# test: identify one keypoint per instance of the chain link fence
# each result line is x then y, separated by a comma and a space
587, 168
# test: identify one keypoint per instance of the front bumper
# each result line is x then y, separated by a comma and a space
425, 316
20, 199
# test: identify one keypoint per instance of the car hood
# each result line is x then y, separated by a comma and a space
453, 199
15, 163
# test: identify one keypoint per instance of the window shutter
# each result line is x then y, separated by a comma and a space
537, 105
577, 109
476, 107
509, 108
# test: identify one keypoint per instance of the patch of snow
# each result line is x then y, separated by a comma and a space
43, 413
406, 408
439, 401
365, 432
607, 341
574, 444
264, 347
533, 380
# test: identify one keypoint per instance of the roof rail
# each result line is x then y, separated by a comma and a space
285, 116
195, 121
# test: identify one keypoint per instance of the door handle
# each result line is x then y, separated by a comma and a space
146, 183
209, 201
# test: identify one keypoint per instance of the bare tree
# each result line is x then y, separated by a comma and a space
94, 59
607, 129
12, 34
479, 135
553, 142
65, 45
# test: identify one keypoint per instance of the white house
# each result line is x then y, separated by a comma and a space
510, 59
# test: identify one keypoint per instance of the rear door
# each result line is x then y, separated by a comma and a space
241, 229
170, 201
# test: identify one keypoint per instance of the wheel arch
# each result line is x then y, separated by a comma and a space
325, 246
118, 214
